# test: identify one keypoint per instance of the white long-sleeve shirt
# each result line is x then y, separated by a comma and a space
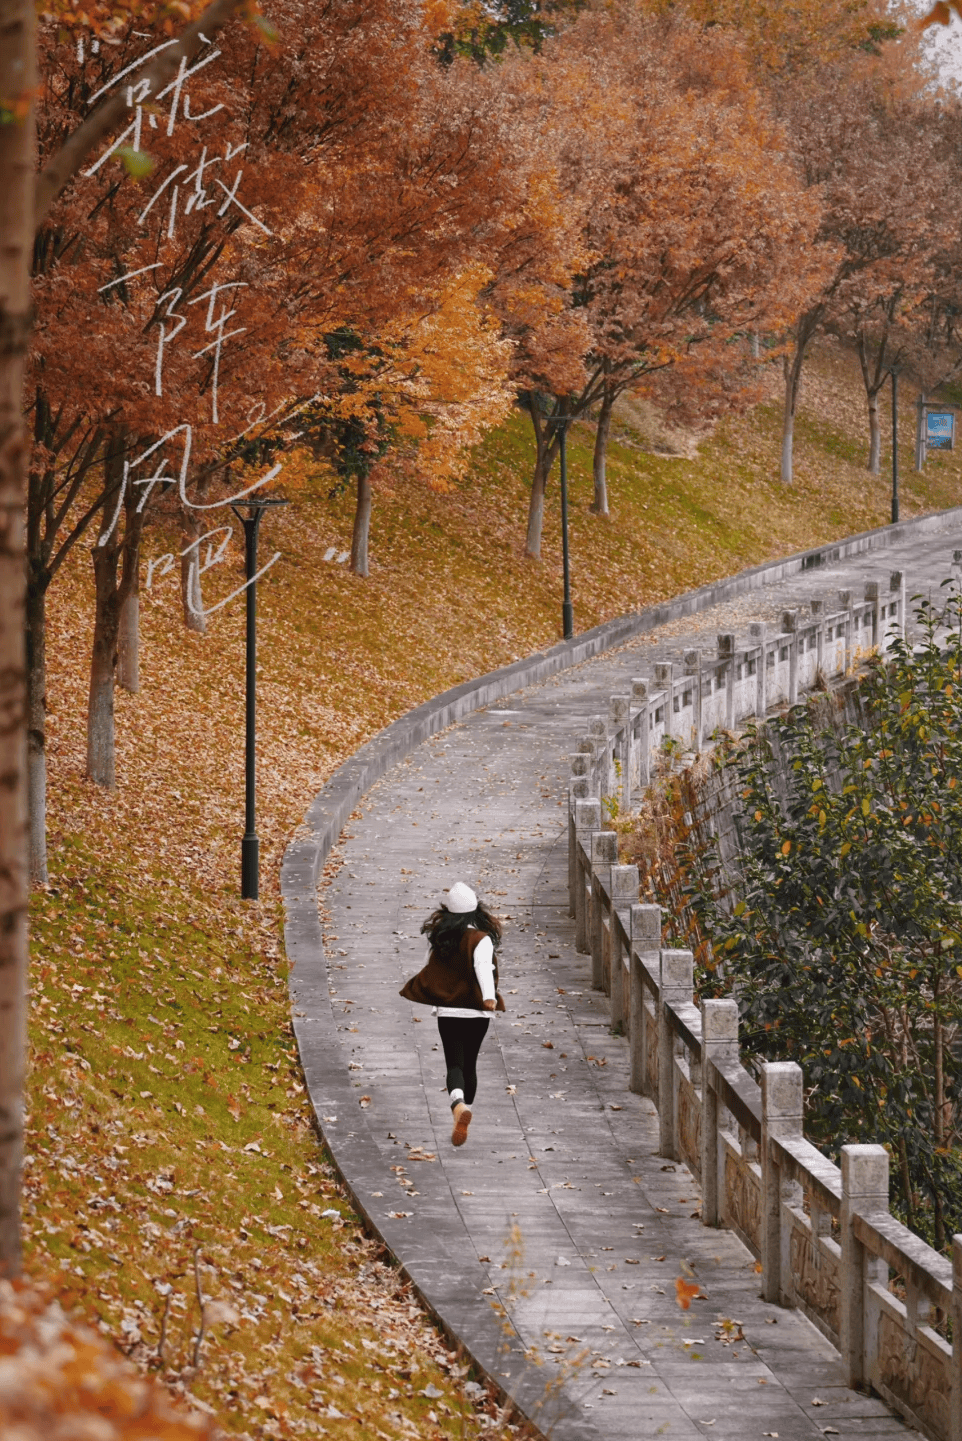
484, 970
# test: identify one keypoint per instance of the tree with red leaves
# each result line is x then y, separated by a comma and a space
24, 201
692, 228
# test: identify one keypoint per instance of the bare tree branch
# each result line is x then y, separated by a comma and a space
200, 1301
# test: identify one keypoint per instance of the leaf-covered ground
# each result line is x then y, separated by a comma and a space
60, 1381
174, 1174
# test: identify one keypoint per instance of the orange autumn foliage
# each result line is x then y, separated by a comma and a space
374, 183
686, 1292
694, 227
361, 188
784, 41
437, 379
941, 13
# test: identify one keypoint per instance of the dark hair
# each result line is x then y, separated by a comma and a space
444, 928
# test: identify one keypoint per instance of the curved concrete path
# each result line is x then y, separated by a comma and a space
559, 1209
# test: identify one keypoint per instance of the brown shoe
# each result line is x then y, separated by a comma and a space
462, 1120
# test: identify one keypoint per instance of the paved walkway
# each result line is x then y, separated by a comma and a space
559, 1205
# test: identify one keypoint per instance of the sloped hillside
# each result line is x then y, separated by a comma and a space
173, 1170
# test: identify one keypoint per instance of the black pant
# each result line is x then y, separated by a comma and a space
461, 1039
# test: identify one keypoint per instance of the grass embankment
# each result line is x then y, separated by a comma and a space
170, 1140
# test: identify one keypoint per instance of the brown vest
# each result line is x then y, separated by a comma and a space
452, 982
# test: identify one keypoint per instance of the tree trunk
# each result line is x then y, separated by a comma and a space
874, 435
873, 378
191, 590
603, 430
793, 386
101, 765
788, 443
37, 723
544, 459
805, 329
907, 1191
128, 652
362, 527
128, 640
532, 540
40, 484
17, 85
103, 666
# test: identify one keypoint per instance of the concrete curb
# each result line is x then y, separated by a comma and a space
449, 1286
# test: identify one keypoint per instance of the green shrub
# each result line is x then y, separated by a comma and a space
843, 939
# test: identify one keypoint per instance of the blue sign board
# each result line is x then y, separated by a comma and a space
939, 429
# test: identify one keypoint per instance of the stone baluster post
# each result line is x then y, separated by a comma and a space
619, 721
872, 595
719, 1043
895, 625
665, 680
624, 895
955, 1413
693, 670
585, 745
758, 631
845, 604
817, 607
726, 651
645, 946
640, 698
790, 628
587, 823
865, 1188
598, 734
832, 649
604, 854
676, 987
782, 1115
577, 791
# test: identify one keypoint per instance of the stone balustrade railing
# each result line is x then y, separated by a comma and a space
824, 1235
681, 706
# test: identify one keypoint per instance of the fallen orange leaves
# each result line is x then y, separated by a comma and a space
686, 1292
68, 1384
940, 14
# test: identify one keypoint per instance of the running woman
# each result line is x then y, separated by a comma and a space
460, 980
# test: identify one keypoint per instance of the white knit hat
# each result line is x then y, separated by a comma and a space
459, 900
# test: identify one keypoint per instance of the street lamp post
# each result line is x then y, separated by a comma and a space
567, 609
895, 446
250, 846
